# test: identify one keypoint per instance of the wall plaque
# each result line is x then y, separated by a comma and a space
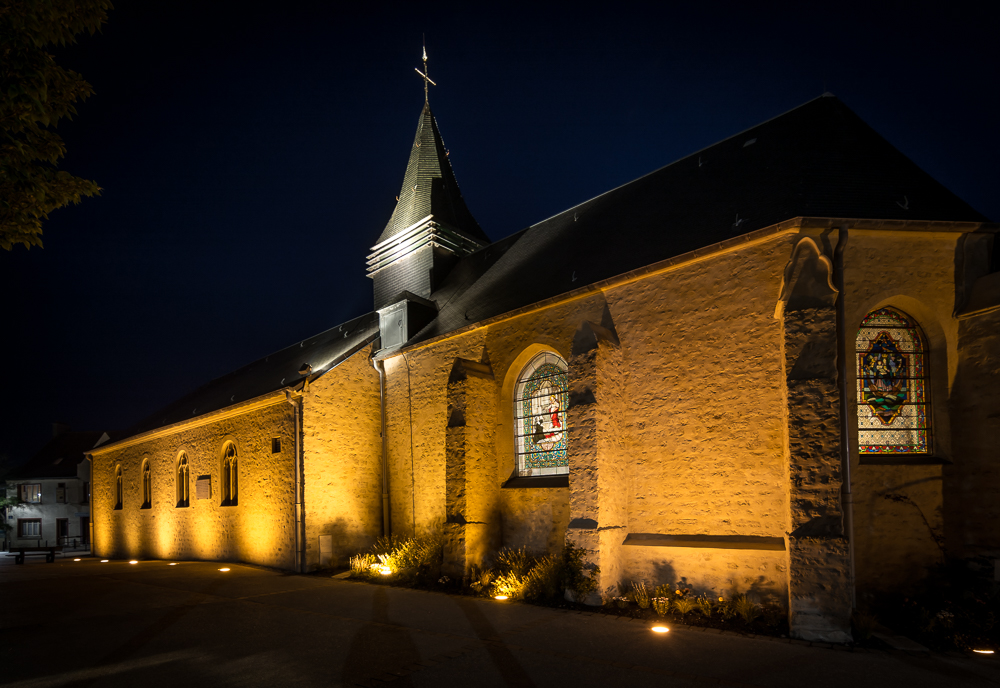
203, 487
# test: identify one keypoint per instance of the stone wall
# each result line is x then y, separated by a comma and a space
259, 530
342, 455
972, 481
691, 435
914, 272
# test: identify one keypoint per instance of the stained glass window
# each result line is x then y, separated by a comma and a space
892, 385
540, 401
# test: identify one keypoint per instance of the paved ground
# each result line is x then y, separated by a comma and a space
150, 624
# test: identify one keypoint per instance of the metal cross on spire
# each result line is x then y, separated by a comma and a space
427, 79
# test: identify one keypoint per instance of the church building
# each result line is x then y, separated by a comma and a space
768, 367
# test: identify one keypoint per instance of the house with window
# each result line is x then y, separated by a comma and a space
54, 489
768, 367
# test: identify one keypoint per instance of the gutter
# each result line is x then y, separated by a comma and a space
300, 522
379, 366
847, 498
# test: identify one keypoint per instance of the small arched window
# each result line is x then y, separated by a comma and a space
893, 389
230, 476
147, 486
183, 484
119, 488
541, 397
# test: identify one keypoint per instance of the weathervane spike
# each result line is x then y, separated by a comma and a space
427, 79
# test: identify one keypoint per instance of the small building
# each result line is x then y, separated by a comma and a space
54, 488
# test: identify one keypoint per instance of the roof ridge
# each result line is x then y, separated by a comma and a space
685, 157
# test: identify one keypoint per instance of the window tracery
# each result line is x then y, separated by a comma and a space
892, 385
541, 397
183, 482
119, 488
147, 486
230, 476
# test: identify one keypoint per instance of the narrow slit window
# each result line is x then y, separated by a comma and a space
183, 482
147, 486
275, 445
119, 488
893, 389
230, 476
541, 398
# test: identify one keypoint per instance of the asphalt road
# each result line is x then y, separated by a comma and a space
151, 624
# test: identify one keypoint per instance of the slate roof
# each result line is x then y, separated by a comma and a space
818, 160
429, 186
57, 459
269, 374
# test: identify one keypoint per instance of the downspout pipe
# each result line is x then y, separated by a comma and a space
847, 497
380, 367
300, 521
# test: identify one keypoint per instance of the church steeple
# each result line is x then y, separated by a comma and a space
429, 187
429, 230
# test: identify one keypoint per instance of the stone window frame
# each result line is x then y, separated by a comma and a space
182, 476
147, 485
506, 442
119, 488
229, 474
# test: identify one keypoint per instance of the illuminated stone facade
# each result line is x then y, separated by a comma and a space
712, 416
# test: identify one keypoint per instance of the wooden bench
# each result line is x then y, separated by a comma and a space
50, 552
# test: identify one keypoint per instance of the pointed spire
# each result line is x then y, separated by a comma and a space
429, 187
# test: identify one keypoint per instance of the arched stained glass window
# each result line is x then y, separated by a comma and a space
230, 476
893, 388
540, 432
147, 486
183, 484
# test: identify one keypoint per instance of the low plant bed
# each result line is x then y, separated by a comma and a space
544, 580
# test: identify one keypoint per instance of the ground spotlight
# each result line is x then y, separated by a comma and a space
224, 569
660, 629
134, 561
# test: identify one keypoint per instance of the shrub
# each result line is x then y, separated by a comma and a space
747, 609
661, 605
572, 575
405, 558
362, 564
683, 605
705, 606
516, 561
640, 595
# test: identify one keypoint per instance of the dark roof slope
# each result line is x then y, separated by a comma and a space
266, 375
429, 186
818, 160
57, 459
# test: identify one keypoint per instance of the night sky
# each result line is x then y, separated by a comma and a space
250, 155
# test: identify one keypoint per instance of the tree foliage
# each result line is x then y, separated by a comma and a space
35, 93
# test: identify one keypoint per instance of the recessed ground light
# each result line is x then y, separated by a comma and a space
223, 569
984, 652
500, 597
104, 561
173, 563
660, 629
76, 560
134, 561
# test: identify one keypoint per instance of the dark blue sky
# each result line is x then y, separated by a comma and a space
250, 156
